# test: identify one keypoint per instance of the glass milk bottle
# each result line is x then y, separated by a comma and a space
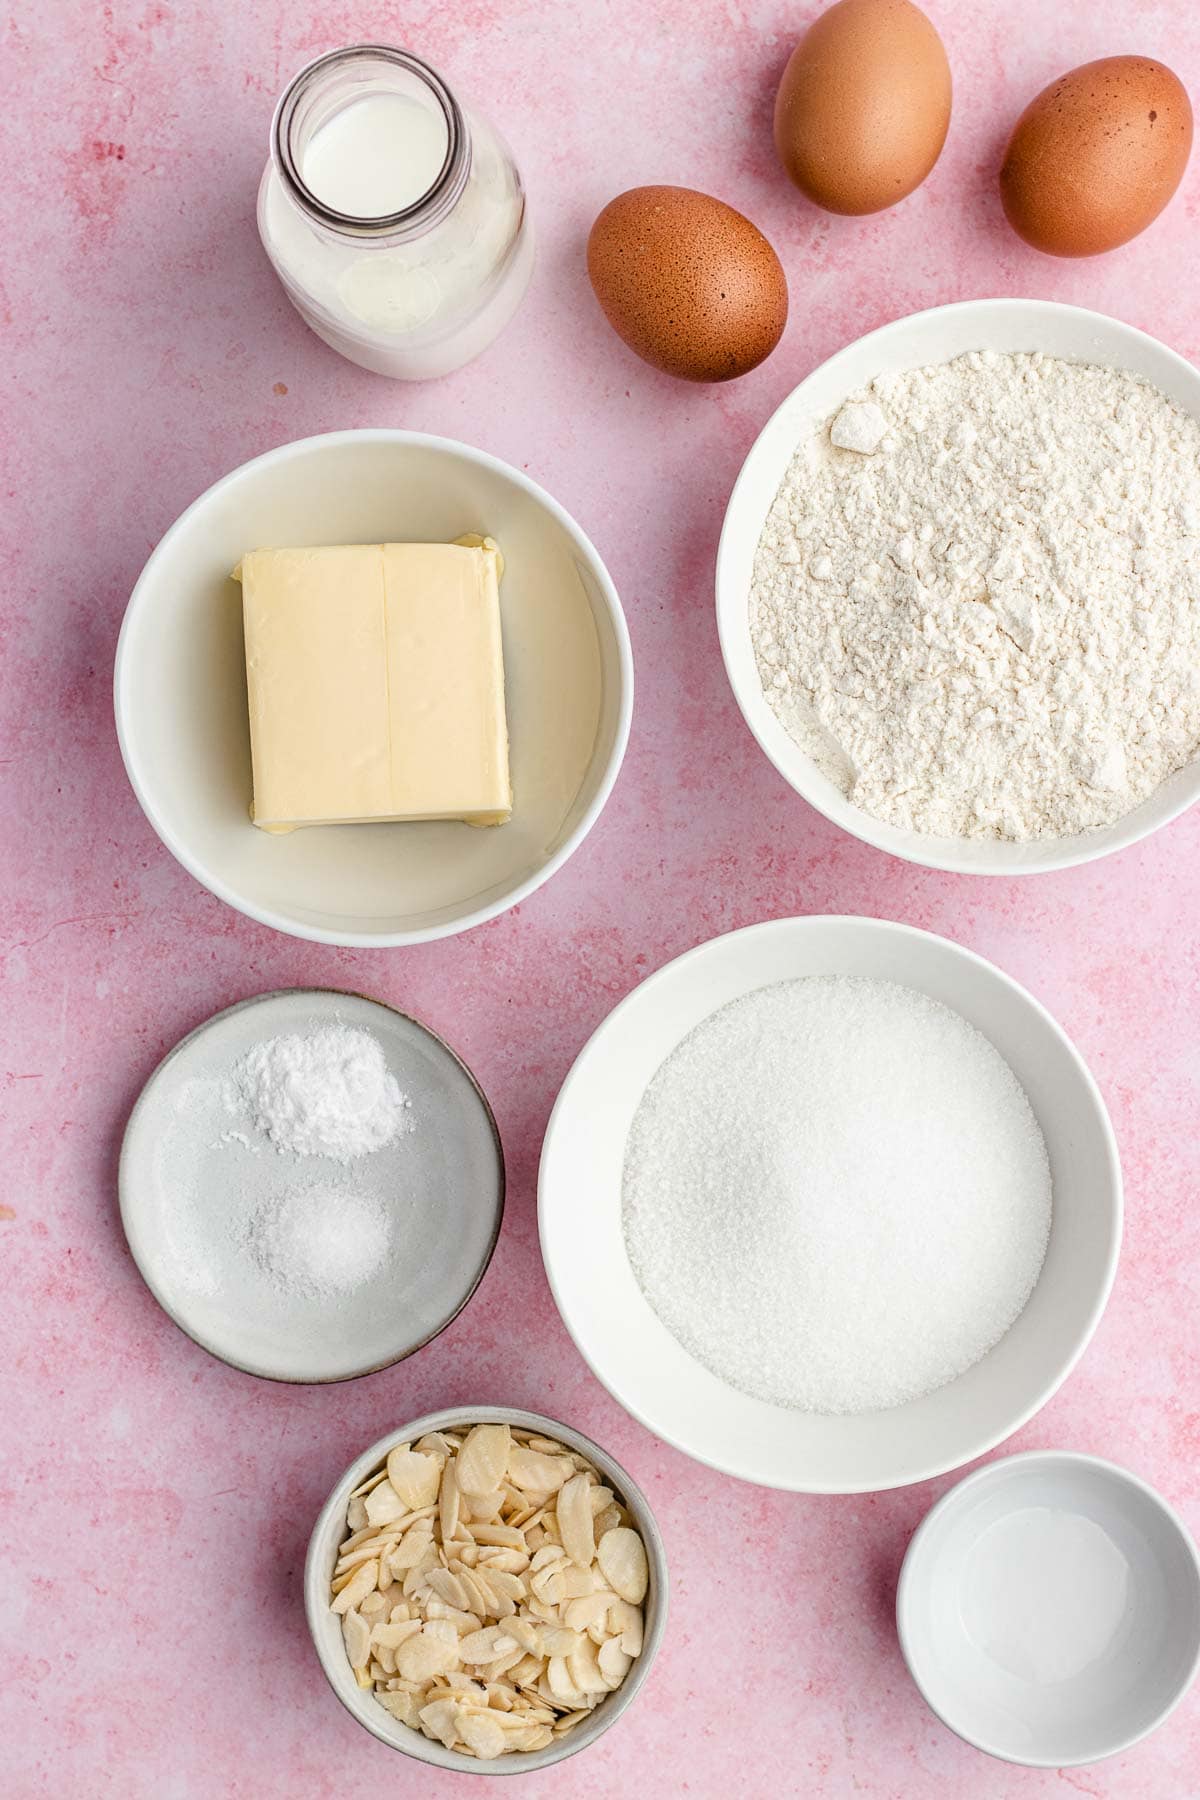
394, 217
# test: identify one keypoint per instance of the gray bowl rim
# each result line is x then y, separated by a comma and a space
146, 1272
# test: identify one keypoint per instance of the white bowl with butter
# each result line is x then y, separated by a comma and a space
181, 696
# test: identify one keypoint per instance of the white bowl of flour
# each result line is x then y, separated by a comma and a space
958, 587
794, 1199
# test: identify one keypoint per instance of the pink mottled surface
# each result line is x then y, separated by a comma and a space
156, 1504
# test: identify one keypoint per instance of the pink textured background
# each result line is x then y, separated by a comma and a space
156, 1504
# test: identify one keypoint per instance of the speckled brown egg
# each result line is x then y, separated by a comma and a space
1096, 156
864, 105
689, 284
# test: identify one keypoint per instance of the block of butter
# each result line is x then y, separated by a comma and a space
375, 679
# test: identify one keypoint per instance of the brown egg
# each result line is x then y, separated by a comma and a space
864, 105
1096, 156
689, 284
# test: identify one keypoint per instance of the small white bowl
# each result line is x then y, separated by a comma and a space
630, 1349
1049, 1609
924, 338
180, 690
326, 1627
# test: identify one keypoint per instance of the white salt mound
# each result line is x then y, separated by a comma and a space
320, 1241
836, 1194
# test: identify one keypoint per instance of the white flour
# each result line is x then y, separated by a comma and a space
327, 1092
989, 624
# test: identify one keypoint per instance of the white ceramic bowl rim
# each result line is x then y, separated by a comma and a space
919, 1469
748, 507
316, 1601
952, 1498
266, 915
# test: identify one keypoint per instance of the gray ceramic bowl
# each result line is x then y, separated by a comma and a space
326, 1628
189, 1188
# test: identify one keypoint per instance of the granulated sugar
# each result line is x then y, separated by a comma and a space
836, 1194
327, 1092
320, 1240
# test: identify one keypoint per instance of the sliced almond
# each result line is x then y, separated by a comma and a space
443, 1631
535, 1473
376, 1544
509, 1562
384, 1504
482, 1460
461, 1621
437, 1443
622, 1558
547, 1585
500, 1581
561, 1686
585, 1671
525, 1632
589, 1609
449, 1588
360, 1584
440, 1720
527, 1672
484, 1508
401, 1704
424, 1655
486, 1646
574, 1512
366, 1486
413, 1476
613, 1662
448, 1505
390, 1637
413, 1546
500, 1603
482, 1734
574, 1581
480, 1596
547, 1556
356, 1634
486, 1532
469, 1691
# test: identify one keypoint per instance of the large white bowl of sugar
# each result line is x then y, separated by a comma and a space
673, 1393
915, 342
180, 690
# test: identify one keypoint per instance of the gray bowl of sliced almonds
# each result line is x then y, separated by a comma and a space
486, 1590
